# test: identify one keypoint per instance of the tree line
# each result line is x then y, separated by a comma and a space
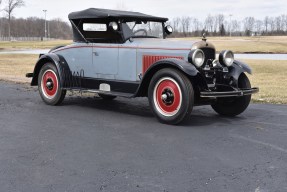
221, 25
212, 25
35, 27
30, 27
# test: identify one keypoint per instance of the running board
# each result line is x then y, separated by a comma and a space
118, 94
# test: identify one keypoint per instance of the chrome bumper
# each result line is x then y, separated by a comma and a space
239, 93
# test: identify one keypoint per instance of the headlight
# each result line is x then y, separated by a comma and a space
226, 58
196, 57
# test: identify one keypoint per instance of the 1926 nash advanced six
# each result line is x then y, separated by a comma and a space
126, 54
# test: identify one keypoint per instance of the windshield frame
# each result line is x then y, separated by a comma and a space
127, 36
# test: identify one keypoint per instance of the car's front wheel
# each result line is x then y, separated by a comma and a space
171, 96
234, 106
49, 85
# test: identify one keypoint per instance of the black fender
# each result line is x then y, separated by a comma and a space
237, 69
187, 68
57, 60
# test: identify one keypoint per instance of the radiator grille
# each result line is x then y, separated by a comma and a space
209, 54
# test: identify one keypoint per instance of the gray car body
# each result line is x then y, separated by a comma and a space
107, 62
123, 62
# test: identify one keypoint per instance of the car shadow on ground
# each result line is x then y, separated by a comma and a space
201, 116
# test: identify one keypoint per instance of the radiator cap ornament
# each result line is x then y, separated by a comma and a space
204, 37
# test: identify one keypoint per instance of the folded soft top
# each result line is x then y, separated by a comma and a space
94, 13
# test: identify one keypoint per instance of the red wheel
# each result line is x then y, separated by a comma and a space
168, 97
171, 96
49, 85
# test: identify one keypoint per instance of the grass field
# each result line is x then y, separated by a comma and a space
276, 44
32, 44
270, 76
14, 67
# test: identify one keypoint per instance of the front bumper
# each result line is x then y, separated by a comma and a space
237, 93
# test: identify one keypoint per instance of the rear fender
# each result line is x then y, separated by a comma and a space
57, 60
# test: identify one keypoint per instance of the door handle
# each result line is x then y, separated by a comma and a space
96, 53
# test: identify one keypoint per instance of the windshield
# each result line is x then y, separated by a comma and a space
146, 29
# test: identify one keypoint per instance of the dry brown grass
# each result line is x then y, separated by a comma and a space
14, 67
269, 76
32, 44
277, 44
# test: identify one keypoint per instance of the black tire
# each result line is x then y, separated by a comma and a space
233, 107
51, 94
107, 97
171, 96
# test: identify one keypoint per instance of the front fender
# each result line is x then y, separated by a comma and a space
188, 69
237, 69
244, 66
57, 60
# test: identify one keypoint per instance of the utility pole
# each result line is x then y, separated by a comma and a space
48, 30
230, 24
45, 11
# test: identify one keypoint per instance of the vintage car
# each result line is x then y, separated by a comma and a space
127, 54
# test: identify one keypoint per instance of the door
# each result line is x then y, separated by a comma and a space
105, 60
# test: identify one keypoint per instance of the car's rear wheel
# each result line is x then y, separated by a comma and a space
49, 85
234, 106
171, 96
107, 97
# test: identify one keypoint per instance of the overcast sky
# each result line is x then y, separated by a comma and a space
166, 8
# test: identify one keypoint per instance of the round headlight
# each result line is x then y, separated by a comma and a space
114, 26
196, 57
226, 58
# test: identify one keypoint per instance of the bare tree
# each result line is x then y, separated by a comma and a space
258, 26
219, 20
249, 23
196, 27
266, 23
12, 5
209, 22
272, 24
175, 23
284, 20
185, 22
235, 26
0, 21
278, 23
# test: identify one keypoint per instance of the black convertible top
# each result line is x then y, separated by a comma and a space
94, 13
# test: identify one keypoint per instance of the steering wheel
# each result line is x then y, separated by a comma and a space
141, 30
